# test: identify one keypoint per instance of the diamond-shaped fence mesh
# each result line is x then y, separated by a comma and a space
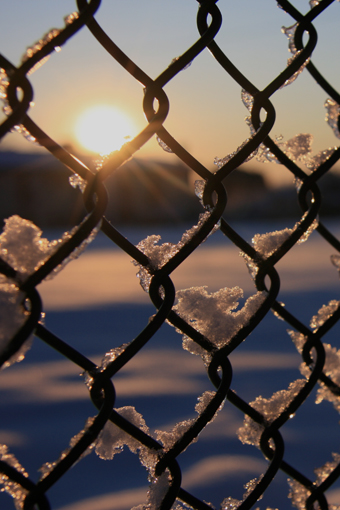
253, 435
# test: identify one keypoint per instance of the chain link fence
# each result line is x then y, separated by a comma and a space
211, 324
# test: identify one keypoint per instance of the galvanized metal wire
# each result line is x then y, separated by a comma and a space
162, 292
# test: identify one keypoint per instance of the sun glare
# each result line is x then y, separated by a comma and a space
103, 129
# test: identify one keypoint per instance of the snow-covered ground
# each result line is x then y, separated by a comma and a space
96, 304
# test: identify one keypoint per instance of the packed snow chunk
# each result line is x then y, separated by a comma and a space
7, 485
158, 489
298, 339
22, 246
204, 400
314, 162
170, 438
298, 494
112, 439
159, 255
232, 504
251, 431
112, 355
269, 243
297, 149
12, 317
332, 370
324, 471
194, 348
213, 314
325, 312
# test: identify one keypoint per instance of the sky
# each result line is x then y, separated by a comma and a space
206, 112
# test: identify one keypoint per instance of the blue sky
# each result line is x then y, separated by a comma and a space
206, 112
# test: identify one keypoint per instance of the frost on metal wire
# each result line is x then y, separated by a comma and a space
332, 361
270, 408
159, 255
12, 488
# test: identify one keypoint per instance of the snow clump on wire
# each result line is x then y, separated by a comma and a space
23, 248
215, 315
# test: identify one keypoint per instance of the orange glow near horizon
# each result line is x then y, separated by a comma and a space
103, 129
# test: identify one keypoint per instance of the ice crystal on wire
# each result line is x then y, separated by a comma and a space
215, 315
70, 18
220, 162
168, 439
298, 72
324, 471
157, 490
77, 251
112, 439
19, 128
297, 148
163, 145
332, 355
159, 255
250, 432
299, 339
111, 355
175, 60
298, 494
290, 33
269, 243
331, 369
232, 503
247, 100
324, 313
332, 115
37, 46
12, 488
313, 162
77, 182
4, 82
48, 467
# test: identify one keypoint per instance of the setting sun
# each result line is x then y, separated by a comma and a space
103, 129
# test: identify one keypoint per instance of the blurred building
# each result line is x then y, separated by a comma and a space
36, 187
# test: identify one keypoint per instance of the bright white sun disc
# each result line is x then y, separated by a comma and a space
103, 129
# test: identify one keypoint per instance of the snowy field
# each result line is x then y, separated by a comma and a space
95, 304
